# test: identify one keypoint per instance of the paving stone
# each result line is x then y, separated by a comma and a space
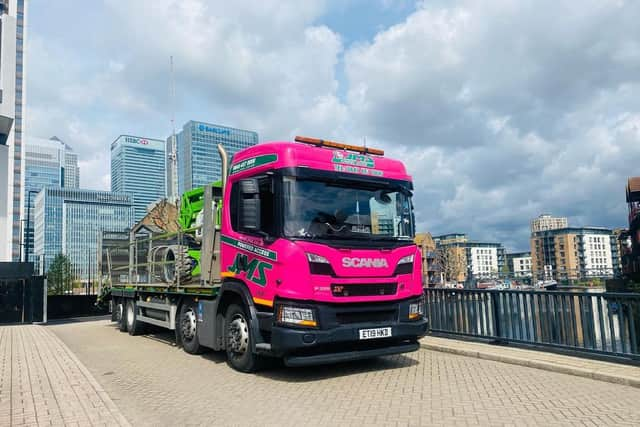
155, 383
43, 383
604, 371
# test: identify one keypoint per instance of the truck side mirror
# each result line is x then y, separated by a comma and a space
250, 205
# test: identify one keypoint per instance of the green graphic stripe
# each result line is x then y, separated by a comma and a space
253, 162
265, 253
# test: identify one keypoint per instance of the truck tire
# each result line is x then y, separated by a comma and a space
134, 326
178, 264
188, 324
119, 307
238, 341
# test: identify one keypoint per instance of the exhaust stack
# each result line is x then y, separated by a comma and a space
225, 166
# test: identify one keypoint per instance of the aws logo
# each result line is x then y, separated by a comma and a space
255, 269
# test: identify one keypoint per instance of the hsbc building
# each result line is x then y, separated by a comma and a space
138, 169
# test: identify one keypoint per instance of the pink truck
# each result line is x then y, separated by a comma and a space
304, 251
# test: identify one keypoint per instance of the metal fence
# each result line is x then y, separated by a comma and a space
604, 323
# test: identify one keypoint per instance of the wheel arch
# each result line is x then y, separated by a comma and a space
236, 291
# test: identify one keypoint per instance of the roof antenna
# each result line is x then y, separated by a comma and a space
365, 141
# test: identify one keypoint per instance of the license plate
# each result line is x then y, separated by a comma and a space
368, 334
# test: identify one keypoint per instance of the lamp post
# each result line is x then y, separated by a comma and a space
22, 237
28, 240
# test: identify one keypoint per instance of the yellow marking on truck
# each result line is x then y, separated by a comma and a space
261, 301
227, 274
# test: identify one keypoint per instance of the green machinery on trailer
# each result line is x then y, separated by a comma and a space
182, 257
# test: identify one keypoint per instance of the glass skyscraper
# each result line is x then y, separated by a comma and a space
71, 221
138, 169
47, 163
13, 30
197, 152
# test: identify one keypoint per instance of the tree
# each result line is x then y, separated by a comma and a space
506, 271
60, 276
451, 263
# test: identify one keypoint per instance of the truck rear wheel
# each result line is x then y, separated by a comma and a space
134, 326
119, 307
238, 341
188, 325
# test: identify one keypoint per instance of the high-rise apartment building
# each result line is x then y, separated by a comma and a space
484, 260
470, 260
71, 222
548, 222
519, 264
197, 152
12, 35
447, 239
574, 253
47, 163
138, 169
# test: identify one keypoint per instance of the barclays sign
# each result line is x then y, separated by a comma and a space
205, 128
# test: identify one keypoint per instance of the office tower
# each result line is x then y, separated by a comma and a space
197, 152
12, 34
71, 222
138, 169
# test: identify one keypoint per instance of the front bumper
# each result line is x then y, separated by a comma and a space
338, 338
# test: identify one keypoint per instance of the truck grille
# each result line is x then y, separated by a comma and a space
366, 316
363, 289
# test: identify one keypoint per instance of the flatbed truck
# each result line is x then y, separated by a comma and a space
303, 251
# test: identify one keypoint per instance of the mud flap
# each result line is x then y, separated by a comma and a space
206, 315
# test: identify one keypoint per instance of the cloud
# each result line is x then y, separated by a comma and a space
502, 110
263, 66
506, 110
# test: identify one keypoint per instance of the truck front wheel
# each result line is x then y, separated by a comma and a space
238, 341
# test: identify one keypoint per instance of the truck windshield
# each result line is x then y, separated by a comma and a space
331, 210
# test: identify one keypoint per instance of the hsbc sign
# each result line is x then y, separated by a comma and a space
134, 140
147, 143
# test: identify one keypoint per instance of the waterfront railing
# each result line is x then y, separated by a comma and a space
601, 323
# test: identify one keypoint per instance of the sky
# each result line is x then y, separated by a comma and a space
502, 110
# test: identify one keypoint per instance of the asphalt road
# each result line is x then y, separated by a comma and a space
155, 383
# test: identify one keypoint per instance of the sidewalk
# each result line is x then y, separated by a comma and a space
43, 383
587, 368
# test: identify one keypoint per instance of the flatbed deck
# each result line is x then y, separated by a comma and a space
165, 289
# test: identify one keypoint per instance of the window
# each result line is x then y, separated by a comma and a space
267, 206
318, 208
233, 208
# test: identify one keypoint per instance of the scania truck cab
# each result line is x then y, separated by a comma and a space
312, 260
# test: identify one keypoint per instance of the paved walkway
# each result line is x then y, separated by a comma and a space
43, 383
604, 371
156, 383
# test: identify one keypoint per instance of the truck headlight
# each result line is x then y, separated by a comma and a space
319, 265
298, 316
317, 259
416, 309
404, 266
